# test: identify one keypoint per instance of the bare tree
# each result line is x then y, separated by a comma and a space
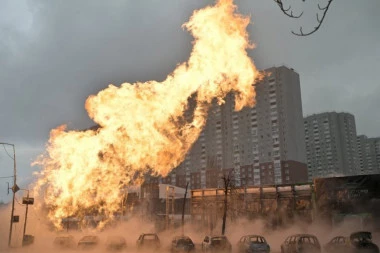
289, 12
228, 186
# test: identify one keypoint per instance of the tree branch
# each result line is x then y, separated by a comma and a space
286, 11
320, 21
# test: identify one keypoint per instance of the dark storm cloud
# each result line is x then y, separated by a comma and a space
53, 54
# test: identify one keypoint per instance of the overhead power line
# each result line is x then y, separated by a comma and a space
7, 152
7, 177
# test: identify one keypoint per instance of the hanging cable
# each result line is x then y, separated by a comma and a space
7, 177
7, 152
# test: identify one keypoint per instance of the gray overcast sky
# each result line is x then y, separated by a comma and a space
53, 54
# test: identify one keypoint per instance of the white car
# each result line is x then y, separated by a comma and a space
216, 243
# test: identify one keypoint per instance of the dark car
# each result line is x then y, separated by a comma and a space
116, 243
88, 242
253, 243
301, 243
148, 241
218, 243
64, 242
361, 242
338, 244
182, 244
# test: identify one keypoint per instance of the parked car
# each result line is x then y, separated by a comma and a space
253, 243
64, 242
148, 241
88, 242
115, 243
361, 242
218, 243
301, 243
182, 244
338, 244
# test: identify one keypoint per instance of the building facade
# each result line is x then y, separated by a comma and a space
368, 155
331, 144
260, 145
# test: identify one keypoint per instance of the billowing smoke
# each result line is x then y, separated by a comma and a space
135, 225
142, 126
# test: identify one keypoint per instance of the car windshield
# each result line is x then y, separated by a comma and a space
150, 237
361, 237
257, 239
89, 238
308, 240
184, 241
218, 241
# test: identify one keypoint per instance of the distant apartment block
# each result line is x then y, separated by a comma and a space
368, 155
260, 145
331, 145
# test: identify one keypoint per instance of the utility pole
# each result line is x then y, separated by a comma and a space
183, 209
227, 187
26, 216
26, 201
170, 198
14, 190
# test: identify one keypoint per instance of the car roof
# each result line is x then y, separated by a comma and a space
303, 235
181, 237
361, 234
254, 236
149, 236
218, 236
89, 237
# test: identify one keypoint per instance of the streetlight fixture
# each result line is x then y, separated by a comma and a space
14, 188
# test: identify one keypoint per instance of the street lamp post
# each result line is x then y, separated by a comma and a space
14, 190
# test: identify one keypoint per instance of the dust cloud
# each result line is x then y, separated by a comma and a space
131, 229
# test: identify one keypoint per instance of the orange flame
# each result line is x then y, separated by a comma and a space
142, 126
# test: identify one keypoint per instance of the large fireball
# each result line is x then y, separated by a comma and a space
142, 125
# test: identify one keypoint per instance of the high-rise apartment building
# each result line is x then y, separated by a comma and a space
331, 145
368, 155
260, 145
